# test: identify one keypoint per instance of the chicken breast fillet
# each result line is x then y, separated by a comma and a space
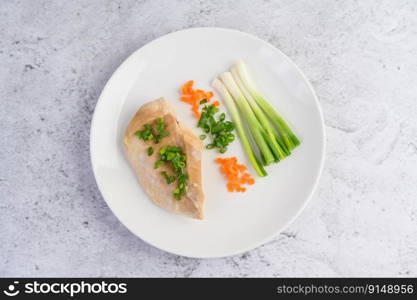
192, 203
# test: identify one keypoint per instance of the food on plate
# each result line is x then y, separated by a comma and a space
273, 140
290, 139
178, 161
210, 119
219, 130
236, 174
244, 138
166, 157
195, 97
156, 133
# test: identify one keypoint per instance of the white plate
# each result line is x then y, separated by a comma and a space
234, 222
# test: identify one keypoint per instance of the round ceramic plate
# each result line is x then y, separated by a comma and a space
234, 222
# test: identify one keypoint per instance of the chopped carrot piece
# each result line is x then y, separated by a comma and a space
242, 168
235, 174
193, 97
187, 88
187, 100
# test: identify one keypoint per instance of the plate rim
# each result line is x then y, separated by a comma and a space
307, 200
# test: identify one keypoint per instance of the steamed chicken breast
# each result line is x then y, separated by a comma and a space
192, 203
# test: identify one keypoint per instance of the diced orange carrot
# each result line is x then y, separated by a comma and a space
242, 168
235, 174
187, 87
194, 96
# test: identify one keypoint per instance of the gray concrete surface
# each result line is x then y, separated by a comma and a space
55, 57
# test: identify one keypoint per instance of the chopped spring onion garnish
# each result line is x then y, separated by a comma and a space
155, 134
178, 161
150, 151
146, 133
160, 128
169, 178
220, 131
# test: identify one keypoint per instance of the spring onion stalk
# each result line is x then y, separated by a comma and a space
231, 107
291, 141
259, 134
279, 149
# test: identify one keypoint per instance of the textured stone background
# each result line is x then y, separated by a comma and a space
55, 57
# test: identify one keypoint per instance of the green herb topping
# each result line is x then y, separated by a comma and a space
156, 134
168, 178
150, 151
160, 128
157, 164
168, 154
220, 131
178, 160
146, 133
